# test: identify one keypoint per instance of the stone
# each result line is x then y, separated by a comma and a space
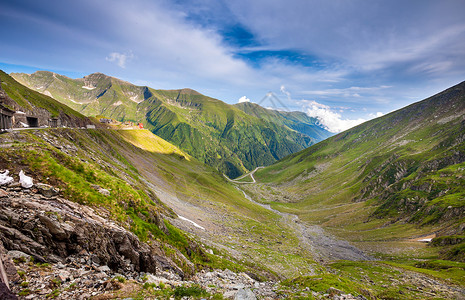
47, 190
5, 293
18, 255
104, 269
334, 291
245, 294
64, 275
104, 192
3, 193
9, 268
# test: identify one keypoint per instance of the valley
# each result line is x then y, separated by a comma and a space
337, 218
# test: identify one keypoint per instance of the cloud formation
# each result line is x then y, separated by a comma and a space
243, 99
119, 58
332, 120
379, 55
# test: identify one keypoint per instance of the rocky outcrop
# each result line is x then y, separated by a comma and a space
51, 229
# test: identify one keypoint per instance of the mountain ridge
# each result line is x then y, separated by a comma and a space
214, 132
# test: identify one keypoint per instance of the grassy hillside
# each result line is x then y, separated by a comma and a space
30, 100
210, 130
390, 179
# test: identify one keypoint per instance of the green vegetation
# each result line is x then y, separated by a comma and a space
24, 292
189, 291
396, 177
229, 138
27, 98
54, 294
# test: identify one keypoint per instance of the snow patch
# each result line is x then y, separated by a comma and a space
5, 179
90, 88
117, 103
427, 240
193, 223
24, 180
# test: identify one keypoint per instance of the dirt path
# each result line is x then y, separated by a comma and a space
324, 246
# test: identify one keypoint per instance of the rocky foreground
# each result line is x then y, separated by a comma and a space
55, 248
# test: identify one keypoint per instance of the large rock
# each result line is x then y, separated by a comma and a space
47, 190
53, 229
245, 294
5, 293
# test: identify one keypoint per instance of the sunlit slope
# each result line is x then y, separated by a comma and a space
146, 140
407, 166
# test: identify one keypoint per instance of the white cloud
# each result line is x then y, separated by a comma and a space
119, 58
284, 91
376, 115
333, 121
243, 99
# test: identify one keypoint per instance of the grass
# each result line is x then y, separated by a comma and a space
106, 159
387, 278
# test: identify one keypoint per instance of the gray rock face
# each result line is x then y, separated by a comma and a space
245, 294
52, 229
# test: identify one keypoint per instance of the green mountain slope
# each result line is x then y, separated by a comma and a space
96, 94
295, 120
214, 132
390, 178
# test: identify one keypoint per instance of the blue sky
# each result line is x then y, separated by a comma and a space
343, 61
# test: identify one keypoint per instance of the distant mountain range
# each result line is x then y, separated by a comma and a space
231, 138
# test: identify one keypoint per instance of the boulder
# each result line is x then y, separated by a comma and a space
53, 229
104, 192
245, 294
47, 190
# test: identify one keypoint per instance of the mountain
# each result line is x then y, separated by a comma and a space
390, 178
296, 120
29, 105
221, 135
125, 214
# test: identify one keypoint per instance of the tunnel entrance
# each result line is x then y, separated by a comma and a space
32, 121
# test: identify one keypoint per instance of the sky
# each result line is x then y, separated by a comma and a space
342, 61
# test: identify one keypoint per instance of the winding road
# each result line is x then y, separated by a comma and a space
243, 176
